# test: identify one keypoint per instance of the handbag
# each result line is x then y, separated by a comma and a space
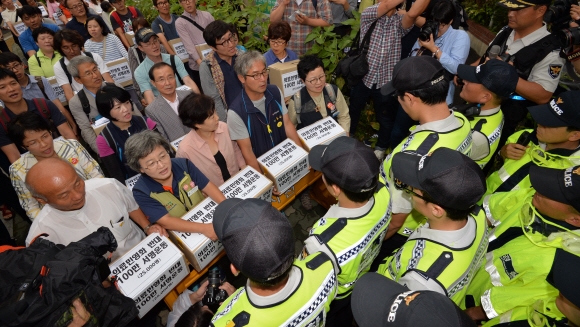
355, 66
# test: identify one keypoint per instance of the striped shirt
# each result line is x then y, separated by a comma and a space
114, 49
70, 150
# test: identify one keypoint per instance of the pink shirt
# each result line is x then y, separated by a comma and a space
194, 148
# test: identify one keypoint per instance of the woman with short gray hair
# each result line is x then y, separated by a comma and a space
168, 187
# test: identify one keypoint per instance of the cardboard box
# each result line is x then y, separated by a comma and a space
58, 91
179, 49
130, 182
321, 132
175, 143
99, 125
149, 271
285, 164
130, 36
285, 76
120, 71
9, 42
197, 248
202, 49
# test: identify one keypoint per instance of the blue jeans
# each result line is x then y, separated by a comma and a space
385, 112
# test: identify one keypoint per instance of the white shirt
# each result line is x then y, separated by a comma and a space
173, 104
107, 202
63, 80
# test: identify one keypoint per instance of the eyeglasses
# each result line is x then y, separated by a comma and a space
155, 163
318, 79
152, 42
231, 40
92, 72
77, 6
71, 48
186, 1
277, 42
258, 76
162, 3
14, 67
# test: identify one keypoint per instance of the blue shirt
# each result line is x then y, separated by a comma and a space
145, 185
232, 86
75, 25
454, 45
27, 41
272, 59
32, 90
141, 74
168, 29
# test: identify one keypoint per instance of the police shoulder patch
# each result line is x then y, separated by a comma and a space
554, 70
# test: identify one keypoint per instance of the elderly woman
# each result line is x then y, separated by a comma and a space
168, 188
208, 145
31, 132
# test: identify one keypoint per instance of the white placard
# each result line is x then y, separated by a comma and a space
184, 88
181, 51
120, 71
43, 11
58, 91
292, 83
246, 184
130, 182
20, 27
175, 144
285, 164
149, 271
321, 132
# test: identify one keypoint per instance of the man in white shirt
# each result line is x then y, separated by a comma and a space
74, 208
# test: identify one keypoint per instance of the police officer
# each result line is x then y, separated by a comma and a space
280, 291
486, 86
531, 228
555, 144
443, 254
352, 231
527, 44
421, 89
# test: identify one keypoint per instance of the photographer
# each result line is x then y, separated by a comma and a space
438, 38
574, 53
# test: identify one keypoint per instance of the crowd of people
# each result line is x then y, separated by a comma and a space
465, 212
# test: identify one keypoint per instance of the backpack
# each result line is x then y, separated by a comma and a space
174, 67
117, 18
39, 282
42, 107
68, 75
85, 102
330, 89
193, 22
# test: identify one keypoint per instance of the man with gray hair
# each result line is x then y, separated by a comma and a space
83, 107
74, 208
258, 119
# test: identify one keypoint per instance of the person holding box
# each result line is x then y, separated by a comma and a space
168, 188
279, 35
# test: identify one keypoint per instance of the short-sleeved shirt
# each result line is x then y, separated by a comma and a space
75, 25
236, 126
62, 79
145, 185
191, 35
27, 41
141, 74
168, 29
232, 86
32, 90
272, 59
43, 66
126, 19
112, 45
55, 115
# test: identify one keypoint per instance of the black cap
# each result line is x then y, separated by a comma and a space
414, 73
520, 4
144, 34
559, 112
258, 239
347, 162
114, 1
497, 76
562, 185
564, 275
380, 302
452, 179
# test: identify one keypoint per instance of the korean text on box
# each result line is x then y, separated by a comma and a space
321, 132
285, 76
285, 164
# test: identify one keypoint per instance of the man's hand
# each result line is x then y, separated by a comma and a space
513, 151
575, 12
209, 232
302, 19
198, 295
156, 228
429, 45
476, 313
229, 288
80, 314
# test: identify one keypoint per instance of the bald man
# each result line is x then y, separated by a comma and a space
74, 208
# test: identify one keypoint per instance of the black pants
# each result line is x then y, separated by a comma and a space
340, 313
387, 249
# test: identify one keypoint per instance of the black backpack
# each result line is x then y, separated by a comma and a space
39, 283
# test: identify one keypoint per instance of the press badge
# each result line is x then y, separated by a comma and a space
332, 108
192, 191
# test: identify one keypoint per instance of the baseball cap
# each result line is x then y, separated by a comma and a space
114, 1
497, 76
144, 34
559, 112
378, 301
258, 239
562, 185
452, 179
414, 73
521, 4
564, 275
347, 162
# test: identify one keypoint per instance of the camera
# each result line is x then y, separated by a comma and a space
430, 27
568, 37
214, 295
560, 10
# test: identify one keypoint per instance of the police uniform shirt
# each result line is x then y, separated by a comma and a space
480, 142
293, 283
402, 201
461, 238
547, 71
